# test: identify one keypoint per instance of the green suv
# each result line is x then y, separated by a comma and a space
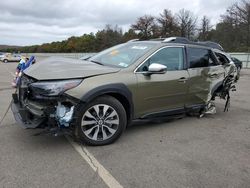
97, 98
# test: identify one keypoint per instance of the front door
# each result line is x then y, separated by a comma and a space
162, 92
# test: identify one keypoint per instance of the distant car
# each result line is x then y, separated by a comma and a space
237, 62
8, 57
1, 54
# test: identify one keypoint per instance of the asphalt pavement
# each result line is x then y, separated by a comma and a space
213, 151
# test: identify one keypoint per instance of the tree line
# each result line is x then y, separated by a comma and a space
232, 31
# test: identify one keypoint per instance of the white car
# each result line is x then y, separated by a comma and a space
1, 55
8, 57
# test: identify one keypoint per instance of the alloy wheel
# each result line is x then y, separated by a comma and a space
100, 122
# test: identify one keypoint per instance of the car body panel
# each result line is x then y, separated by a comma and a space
229, 66
55, 68
201, 83
94, 82
158, 92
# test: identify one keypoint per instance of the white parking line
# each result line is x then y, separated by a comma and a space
95, 165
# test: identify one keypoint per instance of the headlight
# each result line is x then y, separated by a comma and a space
54, 88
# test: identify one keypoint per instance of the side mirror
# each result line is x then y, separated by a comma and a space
156, 68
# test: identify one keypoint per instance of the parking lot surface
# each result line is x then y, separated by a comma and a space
213, 151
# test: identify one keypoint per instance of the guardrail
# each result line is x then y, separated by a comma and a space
70, 55
244, 57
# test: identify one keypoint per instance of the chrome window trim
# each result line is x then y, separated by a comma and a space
154, 54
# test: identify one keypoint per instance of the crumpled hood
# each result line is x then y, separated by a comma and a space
55, 68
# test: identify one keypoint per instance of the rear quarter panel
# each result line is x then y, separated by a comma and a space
202, 83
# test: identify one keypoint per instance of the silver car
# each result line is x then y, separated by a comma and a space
8, 57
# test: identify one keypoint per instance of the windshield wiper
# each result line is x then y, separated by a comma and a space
97, 62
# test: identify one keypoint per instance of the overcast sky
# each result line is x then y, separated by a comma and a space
28, 22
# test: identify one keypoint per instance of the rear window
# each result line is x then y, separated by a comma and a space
198, 57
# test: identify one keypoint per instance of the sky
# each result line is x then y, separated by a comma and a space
29, 22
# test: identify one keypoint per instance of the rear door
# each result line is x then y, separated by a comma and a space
206, 74
162, 92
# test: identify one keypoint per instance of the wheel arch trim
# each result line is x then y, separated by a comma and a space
119, 89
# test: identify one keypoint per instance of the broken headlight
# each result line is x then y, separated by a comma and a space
54, 88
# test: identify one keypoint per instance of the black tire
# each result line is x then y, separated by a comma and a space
238, 73
5, 60
115, 106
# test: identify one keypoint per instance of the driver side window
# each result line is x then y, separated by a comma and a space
172, 57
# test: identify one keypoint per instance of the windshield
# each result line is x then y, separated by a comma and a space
122, 55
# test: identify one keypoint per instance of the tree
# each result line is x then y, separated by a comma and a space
129, 35
204, 29
233, 32
168, 24
146, 26
87, 43
187, 23
241, 13
108, 37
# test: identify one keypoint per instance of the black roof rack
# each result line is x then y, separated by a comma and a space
177, 40
210, 44
184, 40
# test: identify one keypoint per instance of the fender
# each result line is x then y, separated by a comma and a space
118, 88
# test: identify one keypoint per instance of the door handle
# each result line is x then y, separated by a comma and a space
182, 79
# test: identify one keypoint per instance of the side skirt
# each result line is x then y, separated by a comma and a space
172, 113
163, 113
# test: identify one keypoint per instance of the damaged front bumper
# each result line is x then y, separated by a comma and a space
30, 116
32, 110
21, 116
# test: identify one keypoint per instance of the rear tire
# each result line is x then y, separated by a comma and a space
238, 73
101, 121
5, 60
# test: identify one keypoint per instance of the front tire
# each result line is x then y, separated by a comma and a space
101, 122
5, 61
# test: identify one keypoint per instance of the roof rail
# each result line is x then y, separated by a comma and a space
186, 41
157, 39
210, 44
177, 40
169, 39
132, 40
